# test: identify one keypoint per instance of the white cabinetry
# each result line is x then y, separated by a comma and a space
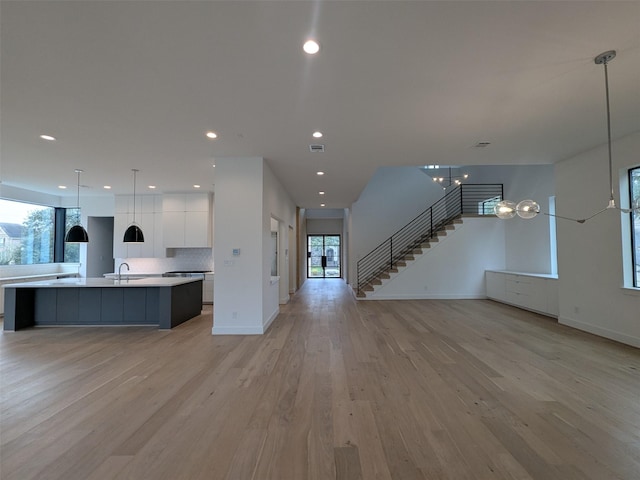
207, 288
148, 216
186, 220
537, 292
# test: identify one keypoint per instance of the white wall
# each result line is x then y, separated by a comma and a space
392, 198
346, 239
248, 196
527, 246
238, 223
302, 253
454, 267
22, 195
276, 204
590, 269
321, 226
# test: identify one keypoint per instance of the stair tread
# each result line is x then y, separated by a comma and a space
418, 246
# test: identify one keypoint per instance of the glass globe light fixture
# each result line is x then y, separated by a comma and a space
527, 209
505, 209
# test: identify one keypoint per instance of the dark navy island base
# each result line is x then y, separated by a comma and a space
165, 302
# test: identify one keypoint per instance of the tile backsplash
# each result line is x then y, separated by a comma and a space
177, 259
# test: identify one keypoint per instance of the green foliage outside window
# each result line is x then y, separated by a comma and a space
27, 234
71, 250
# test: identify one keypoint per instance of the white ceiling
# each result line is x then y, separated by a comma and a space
137, 84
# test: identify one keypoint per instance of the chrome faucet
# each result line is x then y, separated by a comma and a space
120, 268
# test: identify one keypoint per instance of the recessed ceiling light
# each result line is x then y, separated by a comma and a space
322, 205
152, 187
320, 193
62, 187
311, 47
317, 134
196, 186
47, 137
107, 187
319, 173
212, 135
214, 165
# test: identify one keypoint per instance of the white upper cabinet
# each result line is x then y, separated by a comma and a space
148, 210
186, 219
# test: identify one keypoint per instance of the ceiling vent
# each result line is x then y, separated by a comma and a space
316, 148
482, 144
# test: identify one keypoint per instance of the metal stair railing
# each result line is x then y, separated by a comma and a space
469, 199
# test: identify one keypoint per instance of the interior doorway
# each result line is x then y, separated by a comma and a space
100, 249
323, 256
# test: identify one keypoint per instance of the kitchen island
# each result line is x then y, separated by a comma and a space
165, 302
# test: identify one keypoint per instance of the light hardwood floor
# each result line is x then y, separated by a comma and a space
334, 390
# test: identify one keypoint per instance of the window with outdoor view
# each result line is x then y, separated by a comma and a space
71, 250
28, 235
634, 193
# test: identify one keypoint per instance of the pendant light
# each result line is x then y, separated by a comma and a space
134, 234
528, 208
447, 180
77, 233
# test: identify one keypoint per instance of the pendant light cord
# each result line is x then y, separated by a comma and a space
606, 86
78, 197
134, 195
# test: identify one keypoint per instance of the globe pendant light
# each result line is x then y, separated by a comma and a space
77, 233
134, 234
529, 209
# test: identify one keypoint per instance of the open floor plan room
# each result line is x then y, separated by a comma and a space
335, 389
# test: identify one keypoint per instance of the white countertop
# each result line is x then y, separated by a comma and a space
132, 274
105, 282
40, 275
127, 274
528, 274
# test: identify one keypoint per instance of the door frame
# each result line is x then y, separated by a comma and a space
323, 235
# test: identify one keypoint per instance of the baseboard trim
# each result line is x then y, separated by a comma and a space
273, 316
600, 331
237, 330
444, 296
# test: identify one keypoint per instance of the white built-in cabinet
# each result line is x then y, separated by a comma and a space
186, 220
537, 292
148, 212
207, 288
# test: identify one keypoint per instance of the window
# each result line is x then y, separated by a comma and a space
71, 250
487, 207
634, 200
28, 235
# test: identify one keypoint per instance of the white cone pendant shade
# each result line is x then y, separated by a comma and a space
77, 233
505, 209
133, 234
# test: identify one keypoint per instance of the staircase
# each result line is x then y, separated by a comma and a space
423, 231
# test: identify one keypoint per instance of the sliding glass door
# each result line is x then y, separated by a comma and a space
323, 256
